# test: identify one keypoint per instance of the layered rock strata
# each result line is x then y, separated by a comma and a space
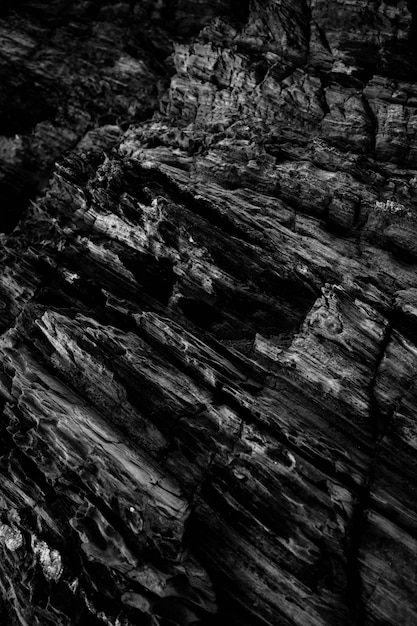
208, 293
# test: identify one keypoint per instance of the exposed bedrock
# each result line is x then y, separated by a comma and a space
208, 313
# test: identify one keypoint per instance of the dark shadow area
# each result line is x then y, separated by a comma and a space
13, 203
200, 313
412, 37
240, 10
155, 276
23, 104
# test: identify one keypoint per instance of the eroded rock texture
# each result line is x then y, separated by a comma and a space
208, 296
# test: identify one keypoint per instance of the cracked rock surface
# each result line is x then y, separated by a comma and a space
208, 313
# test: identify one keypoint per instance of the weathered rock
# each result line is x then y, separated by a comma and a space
208, 313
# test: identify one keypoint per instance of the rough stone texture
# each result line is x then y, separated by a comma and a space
208, 311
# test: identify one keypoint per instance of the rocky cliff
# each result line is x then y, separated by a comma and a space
208, 309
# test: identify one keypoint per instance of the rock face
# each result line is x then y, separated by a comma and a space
208, 310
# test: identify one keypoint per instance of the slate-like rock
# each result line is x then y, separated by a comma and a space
208, 305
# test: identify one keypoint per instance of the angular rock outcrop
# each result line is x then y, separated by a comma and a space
208, 298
